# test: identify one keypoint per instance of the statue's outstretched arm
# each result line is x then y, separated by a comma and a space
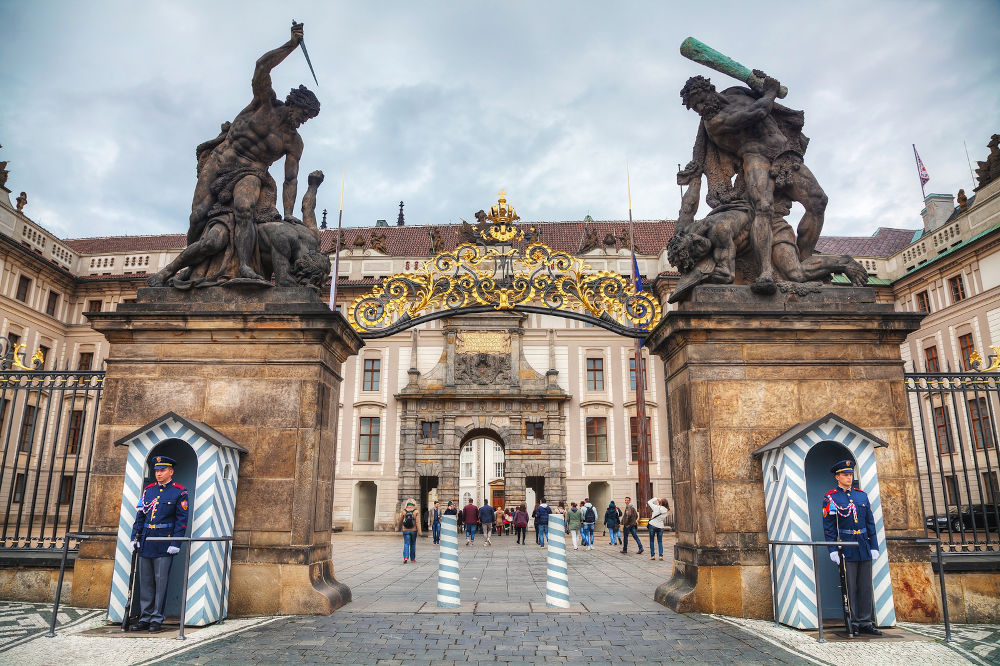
309, 200
262, 72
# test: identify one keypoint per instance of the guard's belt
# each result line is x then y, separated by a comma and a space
849, 531
155, 526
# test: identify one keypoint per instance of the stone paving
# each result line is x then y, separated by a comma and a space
393, 620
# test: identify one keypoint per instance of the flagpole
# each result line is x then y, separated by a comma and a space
920, 171
336, 245
642, 436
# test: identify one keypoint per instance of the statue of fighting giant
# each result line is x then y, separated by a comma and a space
235, 194
750, 149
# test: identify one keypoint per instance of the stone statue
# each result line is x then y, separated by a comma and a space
963, 201
234, 193
989, 170
377, 242
744, 134
589, 240
4, 173
290, 251
437, 244
706, 250
22, 201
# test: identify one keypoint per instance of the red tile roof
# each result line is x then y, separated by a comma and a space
415, 241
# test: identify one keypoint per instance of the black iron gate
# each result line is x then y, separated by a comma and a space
48, 420
958, 457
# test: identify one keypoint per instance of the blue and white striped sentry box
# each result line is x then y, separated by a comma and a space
212, 508
791, 516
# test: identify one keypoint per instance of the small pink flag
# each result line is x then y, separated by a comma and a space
921, 170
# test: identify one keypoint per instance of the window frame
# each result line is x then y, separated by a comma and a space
942, 424
369, 438
430, 429
85, 356
595, 436
979, 423
371, 374
966, 347
52, 303
23, 288
534, 429
595, 373
923, 301
956, 286
931, 360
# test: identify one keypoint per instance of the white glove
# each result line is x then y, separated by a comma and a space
835, 557
135, 544
874, 554
173, 550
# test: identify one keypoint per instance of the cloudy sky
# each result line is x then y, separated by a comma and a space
440, 104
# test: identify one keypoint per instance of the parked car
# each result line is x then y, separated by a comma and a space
985, 516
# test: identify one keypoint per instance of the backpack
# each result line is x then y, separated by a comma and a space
408, 521
590, 516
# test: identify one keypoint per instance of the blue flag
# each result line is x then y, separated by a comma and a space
635, 274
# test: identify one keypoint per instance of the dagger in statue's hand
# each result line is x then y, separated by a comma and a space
302, 44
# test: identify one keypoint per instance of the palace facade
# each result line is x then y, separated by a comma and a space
506, 406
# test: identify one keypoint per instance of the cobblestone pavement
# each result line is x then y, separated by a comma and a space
393, 620
23, 622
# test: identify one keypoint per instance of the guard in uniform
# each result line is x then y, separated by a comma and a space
162, 511
847, 516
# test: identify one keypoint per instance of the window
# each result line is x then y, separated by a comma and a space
466, 460
75, 431
369, 439
65, 490
50, 305
45, 355
86, 361
23, 285
965, 344
94, 306
370, 381
942, 430
27, 429
631, 375
19, 483
992, 489
951, 486
597, 439
931, 358
430, 429
14, 338
595, 374
499, 464
534, 430
923, 302
957, 288
633, 427
979, 420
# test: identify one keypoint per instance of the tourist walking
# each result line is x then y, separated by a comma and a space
574, 520
487, 516
409, 525
542, 514
657, 522
520, 520
436, 522
451, 510
498, 522
589, 521
630, 526
612, 521
470, 518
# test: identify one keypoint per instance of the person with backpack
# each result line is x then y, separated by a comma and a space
470, 518
574, 520
660, 508
409, 525
487, 516
589, 520
541, 515
612, 521
520, 520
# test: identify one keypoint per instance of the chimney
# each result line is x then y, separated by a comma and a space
937, 209
399, 220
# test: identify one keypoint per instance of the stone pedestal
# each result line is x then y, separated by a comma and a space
263, 368
741, 370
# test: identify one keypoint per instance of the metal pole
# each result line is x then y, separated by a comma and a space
62, 572
819, 597
223, 589
944, 593
184, 591
774, 584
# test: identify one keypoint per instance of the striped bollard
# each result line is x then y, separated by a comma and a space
556, 579
449, 590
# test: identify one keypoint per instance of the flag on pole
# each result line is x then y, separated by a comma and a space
921, 170
636, 278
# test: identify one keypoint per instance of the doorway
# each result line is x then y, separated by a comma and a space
185, 474
534, 490
819, 480
365, 496
428, 493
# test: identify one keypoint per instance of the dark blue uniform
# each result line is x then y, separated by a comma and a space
847, 516
161, 511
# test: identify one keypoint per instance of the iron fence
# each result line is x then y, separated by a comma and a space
48, 420
958, 458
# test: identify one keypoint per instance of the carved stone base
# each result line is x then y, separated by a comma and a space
263, 368
742, 369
